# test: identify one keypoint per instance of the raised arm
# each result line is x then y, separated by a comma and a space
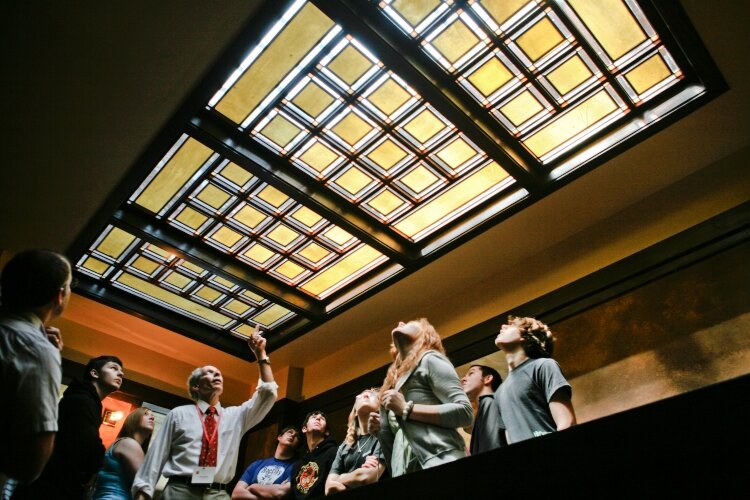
257, 345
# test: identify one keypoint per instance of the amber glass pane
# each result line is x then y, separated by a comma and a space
611, 23
456, 153
350, 64
314, 252
191, 218
172, 299
192, 267
572, 122
280, 131
386, 202
301, 35
158, 251
540, 39
452, 199
347, 267
319, 156
226, 236
244, 330
387, 154
252, 296
455, 41
424, 126
249, 216
490, 76
178, 280
353, 180
236, 306
569, 75
306, 217
272, 196
414, 11
270, 315
95, 265
647, 74
148, 266
352, 128
223, 282
259, 254
419, 179
313, 100
290, 270
213, 196
502, 10
236, 174
208, 293
389, 97
115, 243
178, 170
338, 235
282, 235
521, 108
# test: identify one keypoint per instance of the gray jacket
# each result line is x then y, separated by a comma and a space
433, 382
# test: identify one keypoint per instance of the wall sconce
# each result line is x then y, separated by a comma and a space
111, 417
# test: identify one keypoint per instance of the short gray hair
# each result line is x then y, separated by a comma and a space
192, 380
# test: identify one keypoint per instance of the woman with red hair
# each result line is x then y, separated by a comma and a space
422, 403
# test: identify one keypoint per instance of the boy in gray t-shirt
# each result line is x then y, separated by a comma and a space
535, 398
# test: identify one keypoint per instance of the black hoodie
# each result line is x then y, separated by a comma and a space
78, 451
310, 473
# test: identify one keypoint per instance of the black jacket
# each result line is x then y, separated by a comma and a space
310, 473
78, 451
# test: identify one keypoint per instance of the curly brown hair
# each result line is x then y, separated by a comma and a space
539, 342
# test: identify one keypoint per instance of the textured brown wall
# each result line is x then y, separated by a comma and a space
684, 331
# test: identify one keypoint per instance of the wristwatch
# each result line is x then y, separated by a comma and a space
264, 361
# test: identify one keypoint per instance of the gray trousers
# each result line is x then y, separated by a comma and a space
179, 491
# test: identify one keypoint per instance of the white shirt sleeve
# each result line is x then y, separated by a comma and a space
156, 456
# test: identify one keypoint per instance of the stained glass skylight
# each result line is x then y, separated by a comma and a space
352, 141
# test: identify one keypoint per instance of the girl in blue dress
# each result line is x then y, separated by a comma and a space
124, 457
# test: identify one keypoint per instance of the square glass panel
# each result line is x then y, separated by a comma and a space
171, 175
313, 99
95, 265
280, 130
389, 96
353, 180
250, 217
455, 41
452, 202
387, 154
191, 218
343, 271
259, 254
350, 65
611, 23
271, 316
306, 217
235, 174
319, 157
648, 74
415, 11
115, 243
424, 126
273, 61
540, 39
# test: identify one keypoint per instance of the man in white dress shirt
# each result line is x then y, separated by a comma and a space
196, 449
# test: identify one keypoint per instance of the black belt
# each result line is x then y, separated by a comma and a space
187, 480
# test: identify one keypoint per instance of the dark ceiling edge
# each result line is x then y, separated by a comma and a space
702, 241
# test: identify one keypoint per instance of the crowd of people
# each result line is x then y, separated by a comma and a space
52, 447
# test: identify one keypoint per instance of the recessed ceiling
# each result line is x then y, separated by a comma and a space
338, 146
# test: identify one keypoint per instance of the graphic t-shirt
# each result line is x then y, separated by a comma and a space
268, 471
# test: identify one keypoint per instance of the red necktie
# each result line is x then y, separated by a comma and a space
210, 440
